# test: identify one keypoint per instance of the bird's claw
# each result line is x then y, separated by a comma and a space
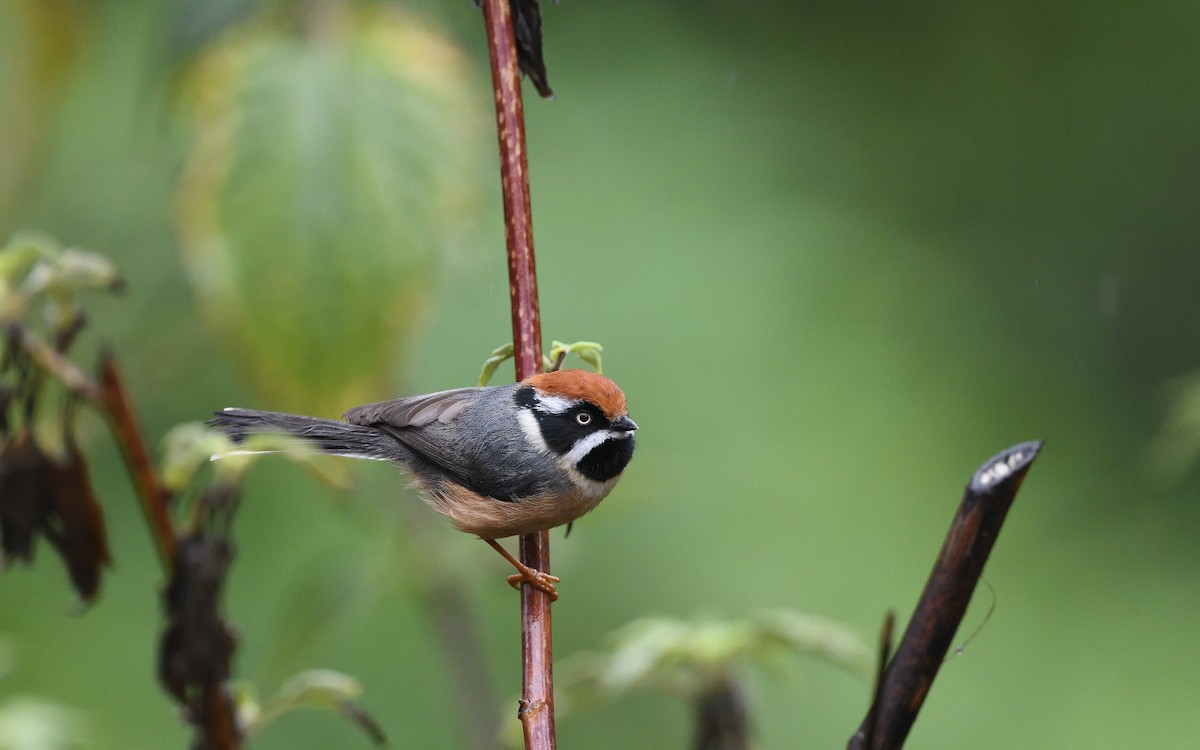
537, 579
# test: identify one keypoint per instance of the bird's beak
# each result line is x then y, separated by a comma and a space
624, 423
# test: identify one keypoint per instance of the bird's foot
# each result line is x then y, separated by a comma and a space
526, 574
535, 578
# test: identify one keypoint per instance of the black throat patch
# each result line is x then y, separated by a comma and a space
607, 460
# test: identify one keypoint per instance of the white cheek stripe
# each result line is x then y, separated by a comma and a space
529, 426
554, 404
585, 445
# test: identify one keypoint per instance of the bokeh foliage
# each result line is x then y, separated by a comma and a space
837, 254
329, 169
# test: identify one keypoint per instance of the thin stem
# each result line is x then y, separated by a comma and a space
908, 677
537, 697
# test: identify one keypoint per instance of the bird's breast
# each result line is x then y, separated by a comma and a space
489, 518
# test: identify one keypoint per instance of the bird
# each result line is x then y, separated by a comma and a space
498, 461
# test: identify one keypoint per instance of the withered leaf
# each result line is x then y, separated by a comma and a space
197, 645
26, 495
527, 28
52, 498
77, 528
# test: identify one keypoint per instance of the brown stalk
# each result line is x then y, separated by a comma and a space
905, 683
537, 696
122, 418
220, 716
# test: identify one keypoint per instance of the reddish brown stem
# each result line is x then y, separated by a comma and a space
155, 498
537, 696
904, 685
221, 721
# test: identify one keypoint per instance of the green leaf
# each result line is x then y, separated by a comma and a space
332, 165
588, 351
499, 355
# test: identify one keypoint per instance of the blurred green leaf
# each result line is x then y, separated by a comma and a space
322, 689
35, 267
1173, 452
39, 39
684, 657
36, 724
332, 163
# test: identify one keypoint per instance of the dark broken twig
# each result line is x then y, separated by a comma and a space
939, 611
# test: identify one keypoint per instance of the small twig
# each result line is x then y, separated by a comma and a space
885, 654
52, 361
943, 603
537, 697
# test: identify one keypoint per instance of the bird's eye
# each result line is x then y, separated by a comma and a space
583, 418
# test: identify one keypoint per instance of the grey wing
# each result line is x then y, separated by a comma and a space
416, 411
478, 449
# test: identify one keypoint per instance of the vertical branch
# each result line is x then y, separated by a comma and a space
514, 177
537, 697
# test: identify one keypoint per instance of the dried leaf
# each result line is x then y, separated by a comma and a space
26, 495
52, 498
197, 646
77, 528
527, 29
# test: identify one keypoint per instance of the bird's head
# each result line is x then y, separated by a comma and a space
582, 418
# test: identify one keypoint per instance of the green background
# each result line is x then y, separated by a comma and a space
837, 254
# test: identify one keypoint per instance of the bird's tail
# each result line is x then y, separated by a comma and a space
329, 436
